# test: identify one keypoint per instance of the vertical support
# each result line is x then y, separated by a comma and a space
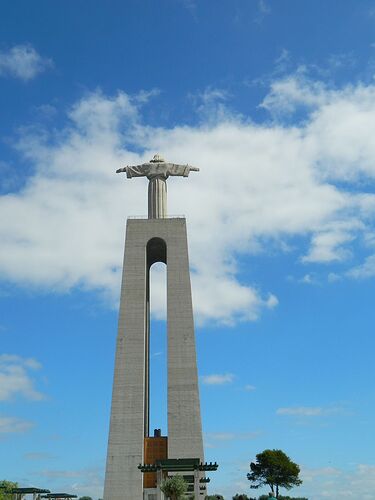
123, 480
157, 198
147, 357
159, 479
130, 409
196, 483
184, 418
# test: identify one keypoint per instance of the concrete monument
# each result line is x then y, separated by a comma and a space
157, 172
156, 239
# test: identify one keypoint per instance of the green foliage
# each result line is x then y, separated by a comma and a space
275, 469
174, 487
85, 498
214, 497
5, 489
241, 497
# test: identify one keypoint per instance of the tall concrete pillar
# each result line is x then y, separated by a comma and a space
125, 445
184, 418
149, 241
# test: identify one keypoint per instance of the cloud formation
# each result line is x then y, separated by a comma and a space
22, 62
86, 481
249, 388
14, 424
308, 411
15, 378
231, 436
259, 185
332, 483
36, 455
217, 379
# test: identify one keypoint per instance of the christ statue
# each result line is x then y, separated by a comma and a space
157, 172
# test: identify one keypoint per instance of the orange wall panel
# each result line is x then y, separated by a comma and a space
155, 448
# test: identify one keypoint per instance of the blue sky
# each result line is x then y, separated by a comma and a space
275, 102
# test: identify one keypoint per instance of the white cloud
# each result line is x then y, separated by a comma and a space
333, 277
249, 388
37, 455
308, 411
217, 379
23, 62
258, 184
327, 246
331, 483
87, 481
310, 474
288, 93
63, 473
14, 424
308, 279
15, 379
231, 436
364, 270
263, 9
211, 105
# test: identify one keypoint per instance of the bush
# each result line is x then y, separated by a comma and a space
174, 487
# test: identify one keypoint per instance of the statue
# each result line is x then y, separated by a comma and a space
157, 172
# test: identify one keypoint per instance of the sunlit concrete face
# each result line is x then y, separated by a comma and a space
149, 241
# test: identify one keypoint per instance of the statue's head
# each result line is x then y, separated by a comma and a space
157, 159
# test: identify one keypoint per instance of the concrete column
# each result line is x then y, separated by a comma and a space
123, 480
196, 484
129, 412
184, 418
157, 198
159, 479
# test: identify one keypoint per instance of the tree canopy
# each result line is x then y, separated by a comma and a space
275, 469
174, 487
5, 489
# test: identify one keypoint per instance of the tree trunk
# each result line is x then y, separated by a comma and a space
277, 491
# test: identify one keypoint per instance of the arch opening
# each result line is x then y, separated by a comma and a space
156, 342
156, 251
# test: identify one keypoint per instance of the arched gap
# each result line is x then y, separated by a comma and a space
156, 251
156, 342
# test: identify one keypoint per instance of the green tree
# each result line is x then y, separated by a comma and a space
174, 487
85, 498
6, 488
214, 497
241, 497
275, 469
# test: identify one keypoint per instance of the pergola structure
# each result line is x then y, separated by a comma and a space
18, 493
196, 483
57, 496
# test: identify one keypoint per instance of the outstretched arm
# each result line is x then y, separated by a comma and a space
136, 171
181, 170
